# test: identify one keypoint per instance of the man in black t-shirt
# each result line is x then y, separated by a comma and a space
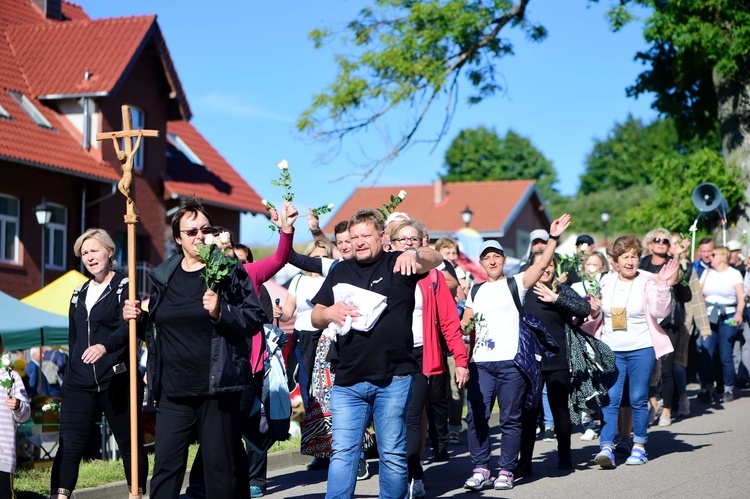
374, 369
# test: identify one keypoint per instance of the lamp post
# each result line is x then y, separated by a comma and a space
605, 219
466, 216
43, 216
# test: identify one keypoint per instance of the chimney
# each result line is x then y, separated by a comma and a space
52, 9
439, 191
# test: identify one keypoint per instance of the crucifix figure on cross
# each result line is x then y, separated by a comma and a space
127, 188
127, 157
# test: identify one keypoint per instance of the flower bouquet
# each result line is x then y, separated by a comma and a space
322, 210
218, 263
387, 209
7, 364
571, 262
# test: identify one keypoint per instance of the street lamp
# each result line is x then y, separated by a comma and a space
466, 216
605, 219
43, 216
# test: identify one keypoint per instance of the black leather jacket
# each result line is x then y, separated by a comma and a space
241, 317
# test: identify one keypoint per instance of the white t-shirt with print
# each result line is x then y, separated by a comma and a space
497, 340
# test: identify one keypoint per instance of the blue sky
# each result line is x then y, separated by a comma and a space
249, 70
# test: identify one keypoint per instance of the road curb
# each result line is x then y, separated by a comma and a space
276, 461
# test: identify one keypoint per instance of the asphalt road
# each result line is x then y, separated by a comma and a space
704, 455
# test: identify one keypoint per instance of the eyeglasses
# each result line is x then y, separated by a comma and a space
402, 240
194, 232
658, 240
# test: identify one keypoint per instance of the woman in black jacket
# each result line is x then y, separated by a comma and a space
198, 359
555, 306
96, 380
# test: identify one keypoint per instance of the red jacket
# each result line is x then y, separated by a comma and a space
438, 305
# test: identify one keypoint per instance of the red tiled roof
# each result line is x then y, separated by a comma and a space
494, 204
54, 57
216, 182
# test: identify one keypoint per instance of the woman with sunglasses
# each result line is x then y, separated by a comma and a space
658, 247
198, 358
724, 293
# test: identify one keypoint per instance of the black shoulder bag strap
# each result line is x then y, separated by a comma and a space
513, 286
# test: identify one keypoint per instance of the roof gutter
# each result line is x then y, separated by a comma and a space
62, 171
81, 95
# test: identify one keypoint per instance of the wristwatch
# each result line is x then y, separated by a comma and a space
415, 250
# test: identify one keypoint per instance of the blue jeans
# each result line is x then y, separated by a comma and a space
637, 366
724, 336
549, 421
352, 407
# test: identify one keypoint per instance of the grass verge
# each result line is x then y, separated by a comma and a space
34, 482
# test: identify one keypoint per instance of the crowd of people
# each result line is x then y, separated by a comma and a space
393, 339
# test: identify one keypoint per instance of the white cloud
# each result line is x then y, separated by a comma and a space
236, 105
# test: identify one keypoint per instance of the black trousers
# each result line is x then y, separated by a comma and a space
216, 419
6, 485
558, 393
79, 413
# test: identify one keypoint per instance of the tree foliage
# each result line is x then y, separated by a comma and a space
408, 55
480, 154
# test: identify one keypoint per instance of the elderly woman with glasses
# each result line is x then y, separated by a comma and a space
632, 302
724, 294
435, 316
198, 358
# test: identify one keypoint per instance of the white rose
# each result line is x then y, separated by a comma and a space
224, 237
208, 240
402, 194
46, 407
5, 360
264, 202
584, 246
330, 206
283, 164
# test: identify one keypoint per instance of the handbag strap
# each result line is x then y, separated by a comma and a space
514, 293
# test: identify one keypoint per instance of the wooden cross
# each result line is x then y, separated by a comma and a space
127, 188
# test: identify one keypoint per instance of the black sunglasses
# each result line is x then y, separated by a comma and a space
658, 240
194, 232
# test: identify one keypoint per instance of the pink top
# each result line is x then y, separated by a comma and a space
260, 272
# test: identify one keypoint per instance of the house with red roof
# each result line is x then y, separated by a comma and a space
506, 211
63, 79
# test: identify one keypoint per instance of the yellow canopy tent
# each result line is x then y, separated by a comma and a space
55, 296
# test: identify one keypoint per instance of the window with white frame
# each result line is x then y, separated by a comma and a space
9, 212
56, 238
139, 123
30, 109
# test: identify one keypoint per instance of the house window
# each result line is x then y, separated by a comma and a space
8, 229
3, 112
56, 238
30, 109
139, 123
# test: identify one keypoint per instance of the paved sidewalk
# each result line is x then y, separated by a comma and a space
705, 455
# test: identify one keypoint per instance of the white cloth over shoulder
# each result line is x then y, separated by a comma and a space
369, 304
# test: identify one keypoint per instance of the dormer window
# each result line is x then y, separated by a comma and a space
30, 109
4, 113
181, 146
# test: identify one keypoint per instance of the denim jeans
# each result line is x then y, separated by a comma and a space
724, 336
637, 366
386, 402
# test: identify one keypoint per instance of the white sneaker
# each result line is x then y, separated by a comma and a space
416, 488
589, 434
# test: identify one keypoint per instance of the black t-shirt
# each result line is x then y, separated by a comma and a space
385, 350
550, 315
185, 328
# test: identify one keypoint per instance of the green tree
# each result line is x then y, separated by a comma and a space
480, 154
624, 157
698, 68
408, 55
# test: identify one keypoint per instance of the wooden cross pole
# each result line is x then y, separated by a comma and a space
127, 188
